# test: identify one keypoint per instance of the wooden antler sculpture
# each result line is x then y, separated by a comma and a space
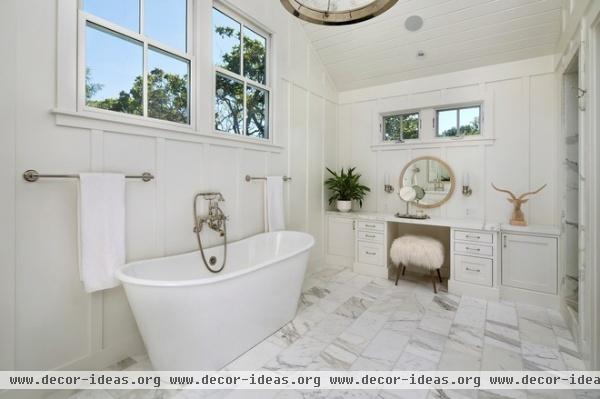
518, 217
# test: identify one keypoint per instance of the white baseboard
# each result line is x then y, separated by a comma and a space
370, 270
480, 291
336, 260
530, 297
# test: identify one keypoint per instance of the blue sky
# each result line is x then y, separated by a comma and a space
115, 61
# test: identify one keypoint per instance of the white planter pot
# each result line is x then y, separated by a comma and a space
344, 206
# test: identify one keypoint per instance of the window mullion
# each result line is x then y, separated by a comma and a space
245, 108
145, 80
142, 27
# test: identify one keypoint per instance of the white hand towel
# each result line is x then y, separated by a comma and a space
274, 214
101, 229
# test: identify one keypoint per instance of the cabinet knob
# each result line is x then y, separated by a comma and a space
472, 270
504, 240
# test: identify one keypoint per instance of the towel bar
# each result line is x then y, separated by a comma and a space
250, 178
33, 176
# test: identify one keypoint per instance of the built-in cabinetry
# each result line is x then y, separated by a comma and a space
489, 260
340, 240
474, 262
371, 249
530, 262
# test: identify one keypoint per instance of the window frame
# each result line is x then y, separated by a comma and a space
147, 43
245, 22
458, 109
402, 114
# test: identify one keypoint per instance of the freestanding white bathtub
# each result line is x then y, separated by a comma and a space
191, 319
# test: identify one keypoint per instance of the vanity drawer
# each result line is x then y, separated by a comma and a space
474, 236
370, 236
372, 254
370, 225
470, 269
474, 249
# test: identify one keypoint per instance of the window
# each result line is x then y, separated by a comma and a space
137, 58
242, 93
401, 127
454, 122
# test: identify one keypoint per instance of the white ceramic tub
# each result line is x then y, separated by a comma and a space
192, 319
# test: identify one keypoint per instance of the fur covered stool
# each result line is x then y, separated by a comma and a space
418, 251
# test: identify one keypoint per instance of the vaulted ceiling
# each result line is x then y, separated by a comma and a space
456, 35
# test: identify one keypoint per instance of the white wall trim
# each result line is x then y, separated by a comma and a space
116, 124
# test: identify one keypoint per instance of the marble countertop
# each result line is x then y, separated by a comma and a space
474, 224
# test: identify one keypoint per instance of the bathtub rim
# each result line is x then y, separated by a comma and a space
124, 278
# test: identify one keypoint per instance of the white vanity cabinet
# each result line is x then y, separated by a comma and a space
474, 263
340, 240
371, 249
530, 262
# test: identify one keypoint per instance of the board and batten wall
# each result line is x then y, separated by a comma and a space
518, 150
48, 321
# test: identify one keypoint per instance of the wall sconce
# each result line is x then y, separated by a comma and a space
387, 187
466, 188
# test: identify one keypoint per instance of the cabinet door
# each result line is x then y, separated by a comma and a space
340, 237
529, 262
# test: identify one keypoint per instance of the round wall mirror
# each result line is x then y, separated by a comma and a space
431, 178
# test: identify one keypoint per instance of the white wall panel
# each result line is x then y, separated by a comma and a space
544, 135
519, 101
507, 161
252, 194
298, 159
316, 123
8, 88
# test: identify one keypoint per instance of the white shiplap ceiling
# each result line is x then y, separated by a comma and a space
456, 35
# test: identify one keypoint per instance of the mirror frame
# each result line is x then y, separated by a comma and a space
450, 172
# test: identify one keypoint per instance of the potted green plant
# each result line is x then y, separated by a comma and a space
345, 187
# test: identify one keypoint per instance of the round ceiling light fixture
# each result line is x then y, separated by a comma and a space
337, 12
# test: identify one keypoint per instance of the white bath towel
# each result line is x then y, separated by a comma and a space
274, 214
101, 229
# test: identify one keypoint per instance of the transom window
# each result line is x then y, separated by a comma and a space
400, 127
242, 92
137, 57
464, 121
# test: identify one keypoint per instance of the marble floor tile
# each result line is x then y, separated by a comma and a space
403, 394
298, 356
538, 357
534, 331
352, 322
253, 394
412, 362
502, 335
352, 394
304, 394
256, 357
502, 313
502, 394
329, 328
386, 347
426, 344
353, 307
335, 357
496, 358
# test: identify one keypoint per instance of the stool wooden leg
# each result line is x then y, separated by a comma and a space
439, 275
403, 270
398, 273
433, 280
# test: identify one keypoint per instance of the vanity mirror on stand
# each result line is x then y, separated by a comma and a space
427, 182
